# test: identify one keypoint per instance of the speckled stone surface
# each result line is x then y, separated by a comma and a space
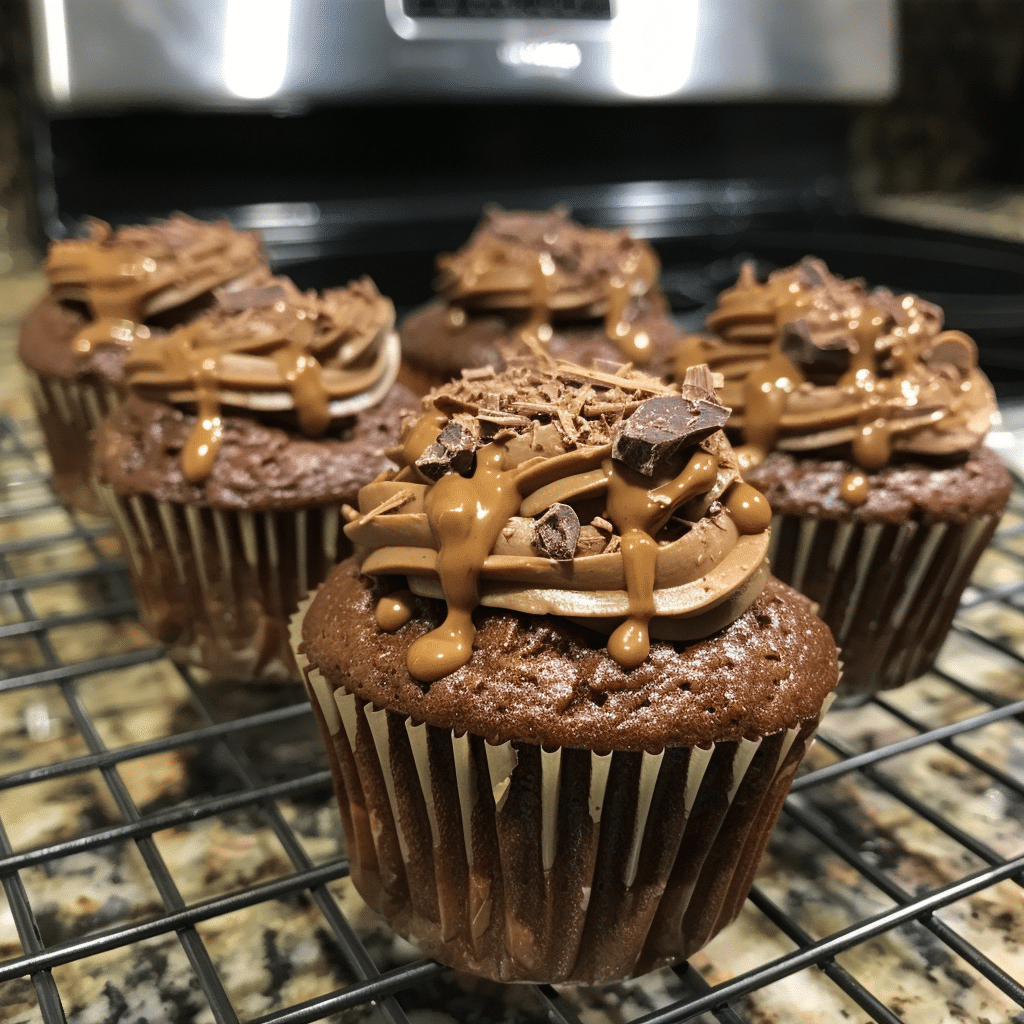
909, 824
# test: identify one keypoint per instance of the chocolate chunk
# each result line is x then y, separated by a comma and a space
454, 451
663, 428
557, 532
700, 383
822, 354
813, 273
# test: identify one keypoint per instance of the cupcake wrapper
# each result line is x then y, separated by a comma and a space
887, 591
69, 411
520, 863
217, 586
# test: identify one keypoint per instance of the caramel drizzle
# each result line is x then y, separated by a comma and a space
466, 516
635, 268
638, 513
117, 280
750, 318
187, 356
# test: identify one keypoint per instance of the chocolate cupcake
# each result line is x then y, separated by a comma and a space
226, 467
540, 281
863, 422
562, 698
106, 293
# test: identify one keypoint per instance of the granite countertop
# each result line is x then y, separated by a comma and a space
246, 807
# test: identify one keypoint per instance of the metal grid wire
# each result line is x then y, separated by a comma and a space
859, 845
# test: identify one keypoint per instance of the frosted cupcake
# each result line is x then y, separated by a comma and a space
562, 698
863, 423
543, 282
225, 469
107, 292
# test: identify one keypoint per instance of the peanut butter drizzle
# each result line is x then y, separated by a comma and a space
203, 444
109, 330
748, 507
635, 267
215, 353
638, 514
187, 355
115, 284
466, 515
765, 396
422, 435
302, 375
496, 252
117, 279
885, 391
538, 327
854, 488
394, 610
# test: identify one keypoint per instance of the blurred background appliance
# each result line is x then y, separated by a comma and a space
363, 136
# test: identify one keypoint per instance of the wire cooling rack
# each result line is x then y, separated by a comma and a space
170, 851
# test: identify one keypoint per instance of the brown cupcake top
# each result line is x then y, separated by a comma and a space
611, 498
546, 680
272, 350
553, 269
813, 362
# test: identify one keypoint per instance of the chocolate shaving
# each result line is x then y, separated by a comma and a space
450, 405
249, 298
454, 451
503, 419
821, 353
557, 532
478, 373
699, 384
387, 505
662, 428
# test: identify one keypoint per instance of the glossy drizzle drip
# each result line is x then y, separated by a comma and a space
466, 516
271, 348
394, 610
125, 275
557, 270
638, 514
472, 533
812, 361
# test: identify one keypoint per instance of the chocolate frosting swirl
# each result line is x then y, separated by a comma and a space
272, 350
133, 274
556, 269
644, 527
812, 362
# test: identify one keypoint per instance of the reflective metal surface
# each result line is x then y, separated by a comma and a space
289, 54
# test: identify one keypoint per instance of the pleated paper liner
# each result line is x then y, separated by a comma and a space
519, 863
887, 591
217, 586
69, 411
